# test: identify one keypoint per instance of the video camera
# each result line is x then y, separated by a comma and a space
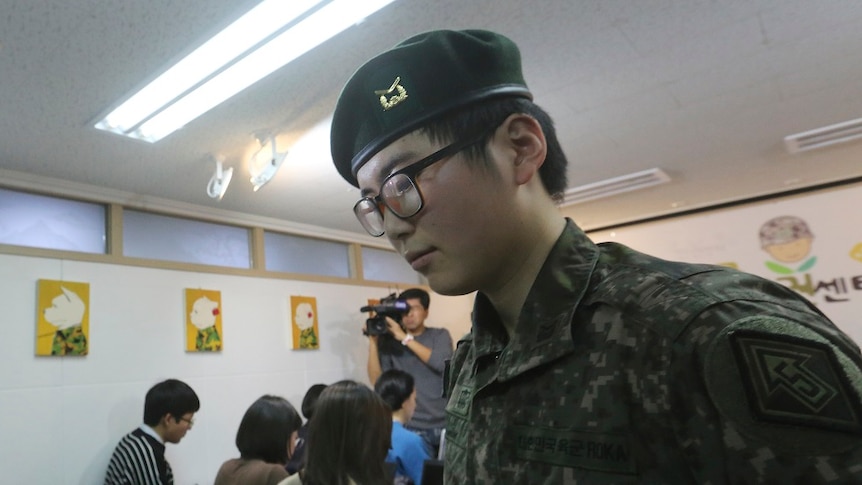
389, 306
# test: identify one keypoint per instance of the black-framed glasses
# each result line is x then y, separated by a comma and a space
400, 193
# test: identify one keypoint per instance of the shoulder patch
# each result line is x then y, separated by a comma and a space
794, 381
782, 384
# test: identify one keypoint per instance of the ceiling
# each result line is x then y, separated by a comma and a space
703, 89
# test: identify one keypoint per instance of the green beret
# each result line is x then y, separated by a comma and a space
418, 81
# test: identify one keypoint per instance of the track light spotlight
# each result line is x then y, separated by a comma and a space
265, 163
218, 183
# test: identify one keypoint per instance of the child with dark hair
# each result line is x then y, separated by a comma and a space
139, 457
265, 439
308, 403
409, 451
348, 438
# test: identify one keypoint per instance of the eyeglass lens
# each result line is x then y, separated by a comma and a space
401, 196
369, 216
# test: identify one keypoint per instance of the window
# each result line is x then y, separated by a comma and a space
49, 222
382, 265
154, 236
296, 254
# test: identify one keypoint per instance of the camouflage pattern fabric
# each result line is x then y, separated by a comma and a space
308, 339
208, 340
70, 341
624, 368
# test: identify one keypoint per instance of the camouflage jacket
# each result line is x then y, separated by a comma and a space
70, 341
624, 368
208, 340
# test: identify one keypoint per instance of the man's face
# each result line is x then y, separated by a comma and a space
458, 239
176, 428
416, 318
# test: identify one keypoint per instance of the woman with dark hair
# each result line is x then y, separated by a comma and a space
348, 438
409, 451
265, 439
307, 407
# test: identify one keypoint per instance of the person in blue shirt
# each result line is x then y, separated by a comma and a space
409, 451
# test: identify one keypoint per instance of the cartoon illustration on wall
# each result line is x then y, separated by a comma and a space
204, 323
62, 326
304, 327
788, 239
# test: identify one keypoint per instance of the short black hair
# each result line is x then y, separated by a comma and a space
171, 396
310, 399
491, 114
266, 428
394, 386
418, 294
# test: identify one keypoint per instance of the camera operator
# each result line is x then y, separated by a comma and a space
421, 352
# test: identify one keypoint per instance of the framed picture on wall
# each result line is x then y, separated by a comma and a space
203, 321
303, 311
62, 318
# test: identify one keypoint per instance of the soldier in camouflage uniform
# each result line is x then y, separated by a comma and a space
586, 363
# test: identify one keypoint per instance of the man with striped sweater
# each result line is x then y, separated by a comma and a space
139, 458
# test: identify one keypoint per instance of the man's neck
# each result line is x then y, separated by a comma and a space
509, 298
156, 431
418, 330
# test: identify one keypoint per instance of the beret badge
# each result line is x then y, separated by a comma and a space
396, 93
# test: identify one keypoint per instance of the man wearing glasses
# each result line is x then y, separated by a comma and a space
139, 458
586, 363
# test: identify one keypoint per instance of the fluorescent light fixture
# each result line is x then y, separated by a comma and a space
218, 183
265, 163
825, 136
614, 186
248, 50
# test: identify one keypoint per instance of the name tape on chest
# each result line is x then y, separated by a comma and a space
580, 449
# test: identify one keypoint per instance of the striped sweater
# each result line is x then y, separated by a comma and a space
139, 459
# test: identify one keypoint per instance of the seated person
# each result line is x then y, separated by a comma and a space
409, 451
265, 439
348, 437
139, 458
307, 410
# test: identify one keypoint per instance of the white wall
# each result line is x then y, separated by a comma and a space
60, 417
732, 236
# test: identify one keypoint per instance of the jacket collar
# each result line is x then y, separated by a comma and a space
543, 332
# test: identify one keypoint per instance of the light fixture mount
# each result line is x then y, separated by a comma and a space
218, 183
265, 162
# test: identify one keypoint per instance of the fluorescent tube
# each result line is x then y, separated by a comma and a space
172, 112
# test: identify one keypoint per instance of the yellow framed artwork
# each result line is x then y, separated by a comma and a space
203, 321
303, 310
62, 318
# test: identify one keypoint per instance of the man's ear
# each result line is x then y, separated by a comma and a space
526, 138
